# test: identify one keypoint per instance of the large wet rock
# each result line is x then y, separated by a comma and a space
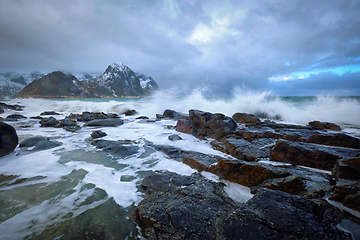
8, 139
246, 118
310, 155
215, 125
49, 122
181, 207
241, 173
192, 207
38, 143
250, 151
338, 139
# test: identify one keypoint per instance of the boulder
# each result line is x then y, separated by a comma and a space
174, 137
173, 114
98, 134
111, 122
184, 126
206, 124
49, 122
130, 112
310, 155
8, 139
325, 125
245, 118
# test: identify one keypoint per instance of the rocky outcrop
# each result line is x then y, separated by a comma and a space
8, 139
118, 80
310, 155
192, 207
205, 124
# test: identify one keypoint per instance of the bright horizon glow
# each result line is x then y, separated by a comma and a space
301, 75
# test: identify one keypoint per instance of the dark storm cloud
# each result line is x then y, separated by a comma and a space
188, 43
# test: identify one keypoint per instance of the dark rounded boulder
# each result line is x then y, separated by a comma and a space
8, 139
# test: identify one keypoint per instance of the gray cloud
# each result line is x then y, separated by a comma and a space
182, 43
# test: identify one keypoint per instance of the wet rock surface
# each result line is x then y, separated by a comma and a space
38, 143
8, 139
119, 148
192, 207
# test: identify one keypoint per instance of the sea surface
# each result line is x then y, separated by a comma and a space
76, 189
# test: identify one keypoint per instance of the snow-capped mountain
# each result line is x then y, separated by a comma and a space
11, 82
118, 80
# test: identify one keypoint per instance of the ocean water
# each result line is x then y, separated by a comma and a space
71, 190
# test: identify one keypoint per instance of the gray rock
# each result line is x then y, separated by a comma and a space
192, 207
111, 122
174, 137
118, 148
38, 143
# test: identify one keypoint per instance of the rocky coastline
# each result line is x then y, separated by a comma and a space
299, 175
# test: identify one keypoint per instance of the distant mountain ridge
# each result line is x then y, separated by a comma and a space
118, 80
11, 82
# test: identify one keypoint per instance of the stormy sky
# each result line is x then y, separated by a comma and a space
292, 47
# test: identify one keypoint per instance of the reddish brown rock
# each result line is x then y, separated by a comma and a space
290, 184
215, 125
339, 139
243, 174
184, 126
245, 118
310, 155
325, 125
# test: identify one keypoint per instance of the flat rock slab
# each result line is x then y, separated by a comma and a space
249, 151
192, 207
38, 143
118, 148
110, 122
310, 155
